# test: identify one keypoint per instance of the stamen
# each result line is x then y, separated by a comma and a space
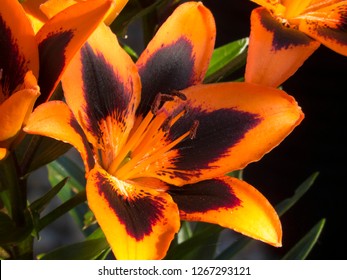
133, 141
1, 72
156, 104
179, 94
159, 100
193, 130
166, 124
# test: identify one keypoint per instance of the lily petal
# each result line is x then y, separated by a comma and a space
15, 110
52, 7
33, 12
231, 124
62, 36
3, 153
275, 51
102, 87
328, 26
230, 203
178, 55
54, 119
18, 48
139, 223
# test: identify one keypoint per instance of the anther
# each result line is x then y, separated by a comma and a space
1, 72
193, 129
179, 94
166, 124
156, 103
159, 100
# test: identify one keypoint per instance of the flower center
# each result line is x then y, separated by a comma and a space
148, 141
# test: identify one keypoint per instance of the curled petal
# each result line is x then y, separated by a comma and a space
178, 55
275, 51
229, 125
230, 203
62, 36
54, 119
139, 223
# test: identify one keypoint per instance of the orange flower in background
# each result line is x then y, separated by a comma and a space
156, 143
26, 57
39, 11
285, 33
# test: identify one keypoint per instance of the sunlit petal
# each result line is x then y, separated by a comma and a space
139, 223
18, 48
230, 125
275, 51
102, 87
179, 54
328, 26
15, 110
231, 203
54, 119
62, 36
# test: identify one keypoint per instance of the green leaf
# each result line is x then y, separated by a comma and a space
302, 249
67, 206
131, 52
232, 250
63, 168
40, 204
36, 151
226, 60
86, 250
288, 203
192, 248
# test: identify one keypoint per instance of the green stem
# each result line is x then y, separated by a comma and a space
14, 196
14, 188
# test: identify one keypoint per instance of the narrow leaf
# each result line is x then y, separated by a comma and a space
302, 249
286, 204
40, 204
86, 250
60, 169
189, 249
226, 60
62, 209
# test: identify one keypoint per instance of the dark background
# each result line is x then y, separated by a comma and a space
318, 144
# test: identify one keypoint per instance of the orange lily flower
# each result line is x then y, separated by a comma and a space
161, 152
26, 57
39, 11
285, 33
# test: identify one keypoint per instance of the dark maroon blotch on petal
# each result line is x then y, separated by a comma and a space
13, 65
138, 214
89, 154
284, 37
217, 132
104, 91
203, 196
52, 61
170, 68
